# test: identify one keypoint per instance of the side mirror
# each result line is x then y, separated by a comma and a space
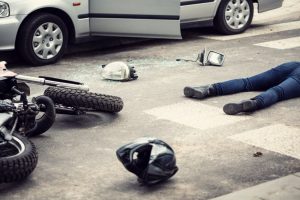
215, 58
211, 58
23, 87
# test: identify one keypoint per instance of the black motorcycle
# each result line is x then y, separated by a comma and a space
18, 156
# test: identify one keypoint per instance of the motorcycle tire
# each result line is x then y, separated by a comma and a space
83, 100
18, 159
44, 122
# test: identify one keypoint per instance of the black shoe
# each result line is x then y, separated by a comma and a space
199, 92
244, 106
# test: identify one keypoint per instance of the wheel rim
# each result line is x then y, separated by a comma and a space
11, 148
47, 40
237, 14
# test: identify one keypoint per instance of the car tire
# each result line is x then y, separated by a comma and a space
42, 39
234, 16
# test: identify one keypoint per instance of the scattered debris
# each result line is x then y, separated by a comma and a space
258, 154
118, 71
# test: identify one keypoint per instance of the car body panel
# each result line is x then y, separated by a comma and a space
20, 7
8, 31
191, 11
135, 18
266, 5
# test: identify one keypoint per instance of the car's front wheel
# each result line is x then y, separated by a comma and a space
234, 16
42, 39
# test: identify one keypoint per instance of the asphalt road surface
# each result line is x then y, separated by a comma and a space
214, 151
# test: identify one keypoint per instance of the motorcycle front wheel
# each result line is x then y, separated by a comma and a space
83, 100
18, 159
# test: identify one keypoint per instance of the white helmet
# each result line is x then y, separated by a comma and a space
118, 71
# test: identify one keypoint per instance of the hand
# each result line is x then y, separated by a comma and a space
2, 65
4, 72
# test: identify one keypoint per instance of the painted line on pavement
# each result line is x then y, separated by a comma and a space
278, 138
255, 31
195, 114
288, 43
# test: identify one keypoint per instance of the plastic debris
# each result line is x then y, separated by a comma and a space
258, 154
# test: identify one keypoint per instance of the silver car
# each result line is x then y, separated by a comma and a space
41, 30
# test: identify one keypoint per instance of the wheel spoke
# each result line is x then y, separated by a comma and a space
230, 21
38, 49
58, 41
231, 5
42, 30
238, 3
49, 28
56, 32
53, 50
229, 13
243, 21
236, 23
246, 12
45, 53
244, 4
37, 39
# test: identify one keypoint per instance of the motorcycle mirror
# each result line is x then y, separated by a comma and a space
215, 58
24, 88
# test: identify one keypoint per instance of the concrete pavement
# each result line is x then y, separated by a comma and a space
282, 188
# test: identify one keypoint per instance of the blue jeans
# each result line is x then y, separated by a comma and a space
279, 83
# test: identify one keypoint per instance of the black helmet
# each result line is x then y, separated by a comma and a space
151, 159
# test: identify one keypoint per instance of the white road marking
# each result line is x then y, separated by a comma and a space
195, 114
278, 138
283, 188
268, 29
288, 43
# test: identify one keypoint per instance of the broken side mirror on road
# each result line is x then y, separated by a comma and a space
208, 58
211, 58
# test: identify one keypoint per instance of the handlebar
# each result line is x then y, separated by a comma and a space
22, 94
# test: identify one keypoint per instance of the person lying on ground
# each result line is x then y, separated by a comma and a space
279, 83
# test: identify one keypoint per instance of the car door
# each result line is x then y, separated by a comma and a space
135, 18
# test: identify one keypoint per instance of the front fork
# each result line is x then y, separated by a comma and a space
6, 134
